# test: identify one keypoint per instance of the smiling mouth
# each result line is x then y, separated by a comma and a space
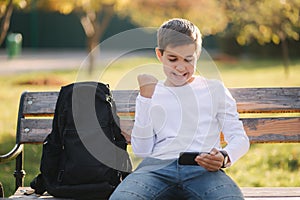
180, 75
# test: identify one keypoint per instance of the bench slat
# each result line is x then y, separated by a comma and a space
39, 103
34, 130
269, 100
273, 129
258, 130
271, 191
249, 100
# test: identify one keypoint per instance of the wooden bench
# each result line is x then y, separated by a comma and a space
256, 103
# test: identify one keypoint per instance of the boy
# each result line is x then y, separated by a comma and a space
183, 114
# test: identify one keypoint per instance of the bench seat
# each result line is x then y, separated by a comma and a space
250, 193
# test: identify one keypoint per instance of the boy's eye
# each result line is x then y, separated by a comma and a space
188, 60
172, 59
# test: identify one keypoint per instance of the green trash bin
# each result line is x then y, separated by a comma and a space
14, 44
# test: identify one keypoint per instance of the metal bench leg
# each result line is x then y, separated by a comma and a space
19, 172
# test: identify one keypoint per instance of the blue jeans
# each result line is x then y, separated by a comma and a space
166, 179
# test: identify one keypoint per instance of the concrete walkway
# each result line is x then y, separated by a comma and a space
33, 60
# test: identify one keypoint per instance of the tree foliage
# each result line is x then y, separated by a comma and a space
265, 21
209, 16
6, 10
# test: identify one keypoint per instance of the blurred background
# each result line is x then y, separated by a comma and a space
43, 44
229, 27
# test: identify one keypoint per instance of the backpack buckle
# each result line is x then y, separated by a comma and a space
109, 99
60, 175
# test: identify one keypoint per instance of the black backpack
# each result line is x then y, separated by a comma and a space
84, 156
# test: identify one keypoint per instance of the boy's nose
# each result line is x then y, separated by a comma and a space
180, 67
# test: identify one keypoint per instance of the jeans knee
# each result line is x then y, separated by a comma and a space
224, 192
126, 195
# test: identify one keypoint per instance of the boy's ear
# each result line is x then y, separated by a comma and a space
198, 54
158, 53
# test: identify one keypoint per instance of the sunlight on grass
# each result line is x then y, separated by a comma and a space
268, 165
261, 75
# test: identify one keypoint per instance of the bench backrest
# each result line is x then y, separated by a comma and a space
268, 114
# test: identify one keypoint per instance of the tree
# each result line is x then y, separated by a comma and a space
6, 10
209, 16
94, 15
265, 21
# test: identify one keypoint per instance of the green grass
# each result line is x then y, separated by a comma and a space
263, 165
268, 165
261, 73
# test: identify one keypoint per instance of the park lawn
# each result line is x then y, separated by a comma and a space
263, 165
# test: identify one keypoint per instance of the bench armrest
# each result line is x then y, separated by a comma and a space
18, 148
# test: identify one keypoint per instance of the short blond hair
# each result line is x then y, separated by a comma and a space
177, 32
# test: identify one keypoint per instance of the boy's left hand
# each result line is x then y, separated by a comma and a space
212, 161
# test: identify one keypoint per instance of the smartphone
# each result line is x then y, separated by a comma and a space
188, 158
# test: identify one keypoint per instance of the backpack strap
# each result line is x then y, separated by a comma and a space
120, 140
64, 92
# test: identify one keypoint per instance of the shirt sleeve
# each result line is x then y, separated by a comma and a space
142, 137
232, 128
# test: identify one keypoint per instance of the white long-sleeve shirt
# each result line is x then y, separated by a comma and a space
188, 119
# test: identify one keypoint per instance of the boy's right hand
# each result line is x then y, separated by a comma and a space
147, 85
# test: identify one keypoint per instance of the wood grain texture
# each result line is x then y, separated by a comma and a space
273, 130
266, 130
268, 192
34, 130
268, 100
249, 100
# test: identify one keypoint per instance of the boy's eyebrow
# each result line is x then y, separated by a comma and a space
174, 55
171, 54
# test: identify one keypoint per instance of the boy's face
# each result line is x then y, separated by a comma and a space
179, 64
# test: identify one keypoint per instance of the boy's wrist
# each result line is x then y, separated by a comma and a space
147, 91
226, 161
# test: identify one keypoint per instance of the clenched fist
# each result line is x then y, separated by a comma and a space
147, 85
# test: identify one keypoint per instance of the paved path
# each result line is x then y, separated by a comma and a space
33, 60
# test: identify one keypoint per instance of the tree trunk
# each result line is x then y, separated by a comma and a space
6, 21
92, 43
285, 56
94, 29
